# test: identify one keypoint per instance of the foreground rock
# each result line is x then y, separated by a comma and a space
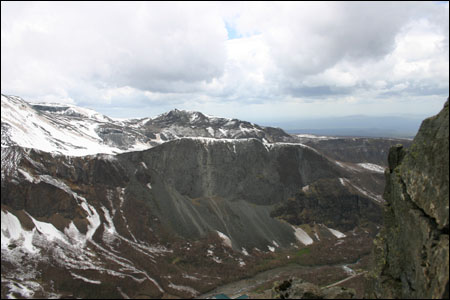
299, 289
412, 251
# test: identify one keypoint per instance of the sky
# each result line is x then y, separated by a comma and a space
272, 63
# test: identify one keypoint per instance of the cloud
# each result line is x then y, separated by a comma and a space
148, 46
258, 58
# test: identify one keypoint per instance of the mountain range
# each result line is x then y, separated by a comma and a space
174, 205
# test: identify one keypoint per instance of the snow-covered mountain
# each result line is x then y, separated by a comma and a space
76, 131
63, 129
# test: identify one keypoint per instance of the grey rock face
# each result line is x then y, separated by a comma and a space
332, 203
412, 251
192, 186
200, 186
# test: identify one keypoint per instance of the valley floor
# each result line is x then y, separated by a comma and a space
260, 285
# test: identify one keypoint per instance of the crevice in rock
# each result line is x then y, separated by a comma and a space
434, 227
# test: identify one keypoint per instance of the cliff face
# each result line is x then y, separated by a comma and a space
412, 251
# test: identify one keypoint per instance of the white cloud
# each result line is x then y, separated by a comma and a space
149, 46
142, 57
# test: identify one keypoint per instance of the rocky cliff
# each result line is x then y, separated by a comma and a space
412, 251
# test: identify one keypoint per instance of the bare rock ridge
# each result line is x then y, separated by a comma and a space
412, 251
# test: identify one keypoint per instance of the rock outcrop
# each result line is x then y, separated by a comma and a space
299, 289
334, 202
412, 251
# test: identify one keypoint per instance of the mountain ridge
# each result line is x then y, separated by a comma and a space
88, 132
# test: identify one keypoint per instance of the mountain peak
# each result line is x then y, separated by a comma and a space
71, 130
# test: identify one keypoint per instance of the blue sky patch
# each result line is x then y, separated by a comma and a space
232, 32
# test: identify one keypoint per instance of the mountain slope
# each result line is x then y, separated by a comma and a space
59, 129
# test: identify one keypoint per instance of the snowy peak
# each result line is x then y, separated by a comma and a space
185, 117
182, 123
60, 129
76, 131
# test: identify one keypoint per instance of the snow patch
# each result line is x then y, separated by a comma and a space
124, 296
85, 279
337, 233
48, 230
26, 289
75, 236
183, 288
193, 117
210, 131
342, 165
27, 175
348, 270
93, 218
241, 263
226, 240
217, 260
372, 167
317, 236
272, 249
12, 232
184, 275
302, 236
377, 198
223, 132
110, 228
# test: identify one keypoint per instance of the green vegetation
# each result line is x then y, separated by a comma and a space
303, 251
